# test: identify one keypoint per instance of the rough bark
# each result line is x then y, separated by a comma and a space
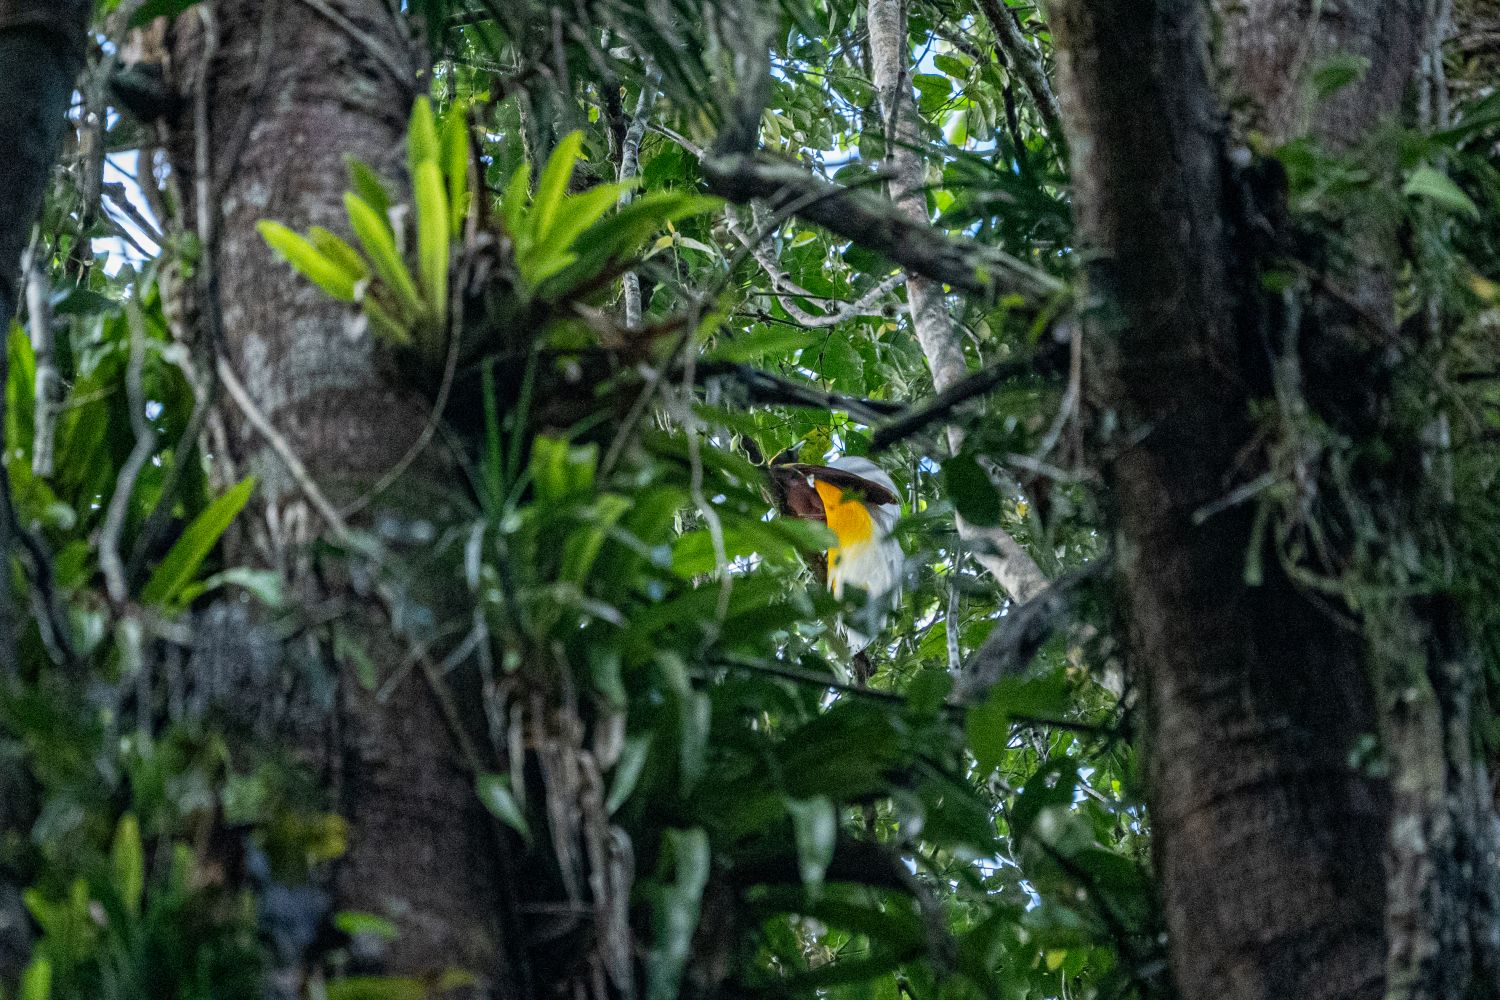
1285, 869
1267, 840
41, 52
999, 553
294, 87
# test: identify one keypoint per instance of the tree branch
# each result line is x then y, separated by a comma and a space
871, 222
942, 406
1027, 62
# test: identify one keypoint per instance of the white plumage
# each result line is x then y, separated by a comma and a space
867, 557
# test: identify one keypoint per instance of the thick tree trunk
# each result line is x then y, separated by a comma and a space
1268, 841
41, 51
1287, 869
295, 87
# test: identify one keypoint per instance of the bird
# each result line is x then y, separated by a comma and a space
858, 502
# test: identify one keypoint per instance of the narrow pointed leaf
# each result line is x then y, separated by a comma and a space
340, 252
455, 156
380, 246
553, 183
302, 255
421, 136
432, 235
186, 557
367, 185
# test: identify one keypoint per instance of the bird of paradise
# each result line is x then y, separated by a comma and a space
858, 502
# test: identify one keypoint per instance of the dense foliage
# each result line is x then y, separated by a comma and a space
684, 763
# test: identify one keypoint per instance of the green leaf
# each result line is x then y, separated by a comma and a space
815, 825
1338, 72
780, 341
494, 792
513, 206
627, 772
262, 584
455, 156
421, 137
128, 861
676, 911
182, 563
432, 235
378, 988
582, 545
987, 725
320, 269
1438, 188
695, 715
36, 981
152, 9
583, 210
339, 252
352, 923
367, 185
380, 246
553, 183
971, 491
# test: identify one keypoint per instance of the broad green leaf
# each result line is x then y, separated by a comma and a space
697, 720
377, 988
320, 269
367, 185
513, 206
262, 584
1337, 72
553, 184
974, 496
340, 252
815, 826
421, 137
676, 911
455, 157
779, 341
352, 922
385, 324
988, 724
186, 557
36, 981
581, 211
627, 772
583, 544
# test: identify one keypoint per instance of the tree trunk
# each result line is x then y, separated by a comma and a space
1287, 869
295, 87
41, 51
1011, 565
